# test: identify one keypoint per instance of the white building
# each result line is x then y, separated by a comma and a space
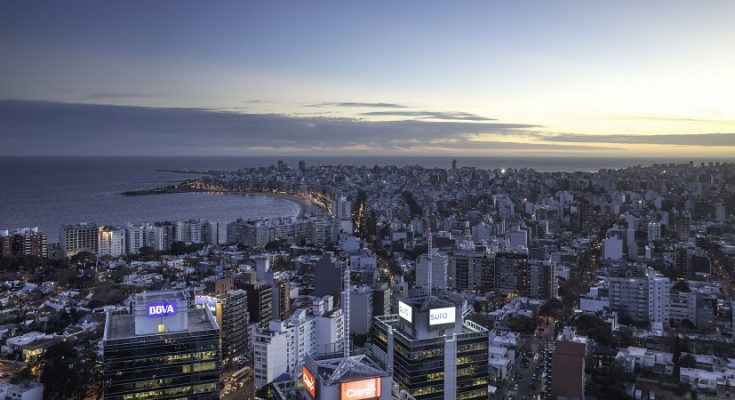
439, 270
25, 391
612, 248
632, 357
654, 231
284, 345
659, 299
111, 241
134, 238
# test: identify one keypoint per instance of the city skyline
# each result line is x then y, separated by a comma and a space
562, 79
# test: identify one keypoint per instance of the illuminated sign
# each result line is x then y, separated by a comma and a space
439, 316
405, 311
362, 389
309, 381
161, 309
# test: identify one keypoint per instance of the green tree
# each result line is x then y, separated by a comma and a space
178, 248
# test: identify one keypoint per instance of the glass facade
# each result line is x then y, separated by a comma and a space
179, 365
419, 365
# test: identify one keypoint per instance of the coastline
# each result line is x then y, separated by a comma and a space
305, 206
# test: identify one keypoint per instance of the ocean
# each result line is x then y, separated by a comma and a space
50, 192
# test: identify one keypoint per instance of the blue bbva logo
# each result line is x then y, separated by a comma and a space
161, 309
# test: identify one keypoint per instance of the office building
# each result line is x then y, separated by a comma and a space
231, 313
567, 366
260, 302
334, 376
433, 352
79, 238
163, 349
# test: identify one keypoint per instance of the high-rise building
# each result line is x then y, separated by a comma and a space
681, 261
24, 242
231, 313
164, 349
511, 272
79, 238
284, 345
381, 299
282, 292
111, 241
433, 352
629, 296
567, 366
361, 309
542, 280
332, 376
472, 270
328, 276
135, 238
654, 231
659, 299
439, 270
260, 301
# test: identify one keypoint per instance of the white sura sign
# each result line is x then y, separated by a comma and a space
439, 316
405, 311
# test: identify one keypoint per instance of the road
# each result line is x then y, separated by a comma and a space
528, 383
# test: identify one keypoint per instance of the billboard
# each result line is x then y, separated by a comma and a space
161, 309
440, 316
405, 311
309, 382
359, 390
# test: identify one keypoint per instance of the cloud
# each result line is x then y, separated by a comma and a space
117, 95
359, 105
703, 139
454, 116
659, 118
50, 128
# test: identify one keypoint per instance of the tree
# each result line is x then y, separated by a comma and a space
688, 361
178, 248
593, 327
83, 258
55, 375
147, 252
551, 308
522, 324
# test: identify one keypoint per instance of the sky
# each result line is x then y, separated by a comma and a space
561, 78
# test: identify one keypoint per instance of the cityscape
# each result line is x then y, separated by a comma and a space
356, 202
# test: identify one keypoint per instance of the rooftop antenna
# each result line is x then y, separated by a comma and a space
430, 266
346, 312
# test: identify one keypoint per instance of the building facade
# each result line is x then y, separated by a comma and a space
163, 350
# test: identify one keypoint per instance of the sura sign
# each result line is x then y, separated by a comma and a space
439, 316
161, 309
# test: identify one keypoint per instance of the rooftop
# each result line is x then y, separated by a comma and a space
122, 326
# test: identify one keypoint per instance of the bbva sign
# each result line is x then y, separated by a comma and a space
161, 309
